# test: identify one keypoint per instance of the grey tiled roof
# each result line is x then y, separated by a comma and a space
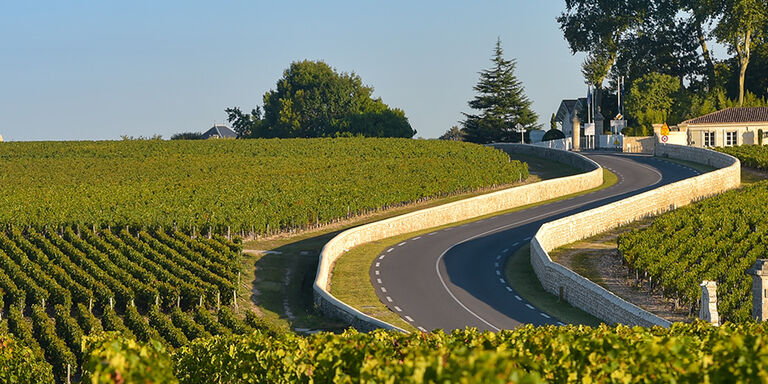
733, 115
221, 131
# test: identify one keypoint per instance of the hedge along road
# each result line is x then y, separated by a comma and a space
454, 278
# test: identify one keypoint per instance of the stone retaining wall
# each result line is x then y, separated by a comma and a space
592, 298
446, 214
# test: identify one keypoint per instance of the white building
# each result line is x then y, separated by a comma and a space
728, 127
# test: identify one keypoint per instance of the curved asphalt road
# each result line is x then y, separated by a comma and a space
453, 278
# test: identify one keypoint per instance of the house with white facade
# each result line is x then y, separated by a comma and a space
566, 111
728, 127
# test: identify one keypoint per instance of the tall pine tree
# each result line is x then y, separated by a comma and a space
501, 103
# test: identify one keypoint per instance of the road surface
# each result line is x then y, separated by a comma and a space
454, 278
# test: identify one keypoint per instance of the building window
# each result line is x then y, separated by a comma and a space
709, 139
730, 139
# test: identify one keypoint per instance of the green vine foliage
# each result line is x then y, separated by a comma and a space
20, 364
716, 239
244, 185
684, 353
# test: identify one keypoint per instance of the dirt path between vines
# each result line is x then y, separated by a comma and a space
598, 259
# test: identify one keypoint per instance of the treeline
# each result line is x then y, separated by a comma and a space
663, 50
313, 99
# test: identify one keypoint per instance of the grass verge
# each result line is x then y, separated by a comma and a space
521, 277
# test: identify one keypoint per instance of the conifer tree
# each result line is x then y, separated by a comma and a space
501, 103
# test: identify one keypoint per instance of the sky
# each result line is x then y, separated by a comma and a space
96, 70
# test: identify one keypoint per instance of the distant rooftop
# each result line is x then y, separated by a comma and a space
733, 115
219, 131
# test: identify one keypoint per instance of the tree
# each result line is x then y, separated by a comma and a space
245, 125
598, 27
314, 100
743, 23
501, 101
651, 98
453, 134
187, 136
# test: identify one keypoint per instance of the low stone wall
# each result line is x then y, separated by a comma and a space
446, 214
592, 298
639, 144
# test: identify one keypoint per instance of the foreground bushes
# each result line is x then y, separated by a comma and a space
689, 353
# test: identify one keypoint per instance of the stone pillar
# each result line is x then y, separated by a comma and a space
708, 311
759, 272
576, 132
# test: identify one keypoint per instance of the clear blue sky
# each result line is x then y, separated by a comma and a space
92, 70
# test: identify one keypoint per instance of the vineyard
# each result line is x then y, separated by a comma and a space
753, 156
716, 239
684, 353
248, 186
58, 285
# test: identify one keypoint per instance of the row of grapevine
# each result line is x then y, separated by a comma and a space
150, 285
684, 353
259, 186
754, 156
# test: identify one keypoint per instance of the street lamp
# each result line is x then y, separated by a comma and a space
522, 132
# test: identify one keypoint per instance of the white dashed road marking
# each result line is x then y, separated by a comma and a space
518, 298
422, 329
502, 280
381, 257
417, 237
389, 299
401, 244
378, 281
398, 309
545, 315
505, 250
383, 289
390, 250
559, 323
509, 289
498, 273
378, 264
409, 318
529, 306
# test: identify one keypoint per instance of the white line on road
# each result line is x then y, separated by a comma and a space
502, 280
560, 323
401, 244
527, 238
518, 298
389, 299
498, 273
376, 272
545, 315
422, 329
378, 281
529, 306
515, 243
390, 250
496, 264
505, 250
509, 289
378, 264
417, 237
383, 289
448, 229
409, 318
398, 309
381, 257
430, 234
